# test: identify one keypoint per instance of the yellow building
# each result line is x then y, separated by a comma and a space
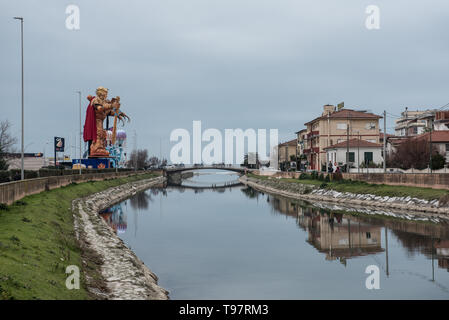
285, 152
333, 127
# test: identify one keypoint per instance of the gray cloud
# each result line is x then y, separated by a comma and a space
259, 64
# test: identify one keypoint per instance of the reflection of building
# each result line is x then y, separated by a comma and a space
336, 235
442, 252
340, 238
115, 218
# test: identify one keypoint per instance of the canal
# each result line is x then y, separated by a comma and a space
237, 243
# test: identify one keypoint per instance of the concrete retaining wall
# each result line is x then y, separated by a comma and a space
425, 180
13, 191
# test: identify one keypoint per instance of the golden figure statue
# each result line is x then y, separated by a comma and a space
100, 109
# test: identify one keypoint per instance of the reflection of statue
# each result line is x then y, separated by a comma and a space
115, 218
98, 109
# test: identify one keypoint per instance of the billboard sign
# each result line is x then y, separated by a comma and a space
59, 144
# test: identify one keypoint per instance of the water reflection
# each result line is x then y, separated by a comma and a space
344, 236
115, 217
238, 243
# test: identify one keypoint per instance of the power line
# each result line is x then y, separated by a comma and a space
393, 115
443, 107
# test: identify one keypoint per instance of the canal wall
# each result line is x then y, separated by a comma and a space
422, 180
123, 275
403, 206
16, 190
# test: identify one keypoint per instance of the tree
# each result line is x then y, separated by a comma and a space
154, 161
412, 153
251, 160
138, 158
437, 161
6, 143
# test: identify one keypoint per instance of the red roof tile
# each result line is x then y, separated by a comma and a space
290, 143
354, 143
348, 114
437, 136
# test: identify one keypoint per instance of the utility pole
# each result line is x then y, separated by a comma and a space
22, 173
385, 141
406, 121
296, 154
81, 132
430, 145
358, 153
135, 150
347, 145
386, 251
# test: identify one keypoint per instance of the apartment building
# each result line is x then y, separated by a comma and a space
413, 123
333, 127
285, 151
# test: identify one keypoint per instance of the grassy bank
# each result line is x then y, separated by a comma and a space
366, 188
37, 242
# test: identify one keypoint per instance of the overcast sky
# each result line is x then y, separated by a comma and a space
231, 64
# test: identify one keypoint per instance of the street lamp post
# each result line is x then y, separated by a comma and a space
22, 175
79, 94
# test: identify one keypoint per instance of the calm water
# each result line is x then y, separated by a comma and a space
237, 243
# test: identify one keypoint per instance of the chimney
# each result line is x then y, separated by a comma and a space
328, 109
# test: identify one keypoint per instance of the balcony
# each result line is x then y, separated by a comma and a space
312, 150
312, 134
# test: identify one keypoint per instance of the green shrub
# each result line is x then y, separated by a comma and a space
4, 207
327, 179
304, 176
321, 177
45, 172
437, 161
5, 176
323, 185
31, 174
15, 174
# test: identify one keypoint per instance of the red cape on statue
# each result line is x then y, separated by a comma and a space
90, 127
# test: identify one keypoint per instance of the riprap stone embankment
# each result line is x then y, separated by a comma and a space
403, 206
123, 275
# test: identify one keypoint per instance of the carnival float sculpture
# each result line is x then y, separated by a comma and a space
99, 109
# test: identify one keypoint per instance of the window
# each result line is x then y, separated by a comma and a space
351, 156
371, 140
368, 157
341, 126
368, 235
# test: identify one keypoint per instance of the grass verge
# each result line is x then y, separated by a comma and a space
37, 242
361, 187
